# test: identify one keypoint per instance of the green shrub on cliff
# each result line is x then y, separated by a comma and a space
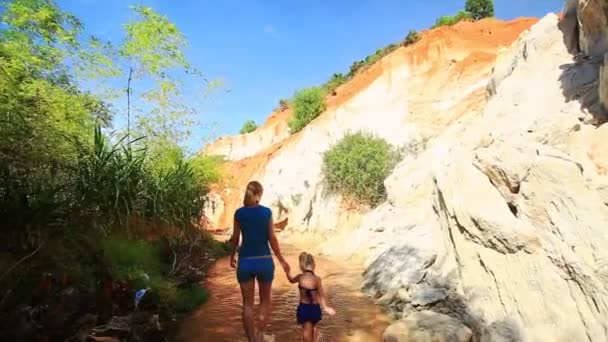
412, 37
307, 105
479, 9
357, 166
335, 81
449, 20
248, 127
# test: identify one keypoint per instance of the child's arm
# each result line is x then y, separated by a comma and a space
293, 279
323, 299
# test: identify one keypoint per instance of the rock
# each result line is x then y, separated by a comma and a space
603, 86
518, 211
602, 190
502, 331
427, 326
598, 149
423, 295
593, 26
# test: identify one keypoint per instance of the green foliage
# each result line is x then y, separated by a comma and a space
371, 59
144, 265
412, 37
189, 298
68, 190
307, 105
248, 127
357, 166
479, 9
133, 260
334, 82
153, 53
449, 20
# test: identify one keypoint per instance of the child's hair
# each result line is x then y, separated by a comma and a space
254, 188
307, 262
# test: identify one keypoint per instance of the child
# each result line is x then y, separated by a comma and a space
312, 298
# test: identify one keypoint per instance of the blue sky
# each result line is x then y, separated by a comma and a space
266, 49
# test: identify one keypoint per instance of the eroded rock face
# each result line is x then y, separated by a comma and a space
427, 326
593, 26
515, 246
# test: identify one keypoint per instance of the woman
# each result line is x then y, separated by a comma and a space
255, 223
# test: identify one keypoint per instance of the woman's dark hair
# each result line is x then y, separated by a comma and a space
254, 188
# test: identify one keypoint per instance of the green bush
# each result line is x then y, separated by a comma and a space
357, 166
479, 9
449, 20
412, 37
307, 105
137, 261
334, 82
189, 298
248, 127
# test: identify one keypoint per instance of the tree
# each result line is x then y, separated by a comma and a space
479, 9
248, 127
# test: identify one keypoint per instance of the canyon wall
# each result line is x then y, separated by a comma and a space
495, 223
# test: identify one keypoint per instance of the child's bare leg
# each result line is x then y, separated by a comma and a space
308, 332
317, 333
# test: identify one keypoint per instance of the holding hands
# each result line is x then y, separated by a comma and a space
285, 266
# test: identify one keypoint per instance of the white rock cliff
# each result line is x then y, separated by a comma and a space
515, 247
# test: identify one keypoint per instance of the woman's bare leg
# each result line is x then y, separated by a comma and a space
248, 292
317, 333
265, 305
308, 332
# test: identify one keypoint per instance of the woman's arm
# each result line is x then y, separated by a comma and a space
234, 241
274, 244
323, 299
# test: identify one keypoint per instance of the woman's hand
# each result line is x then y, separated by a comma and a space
232, 261
285, 266
330, 311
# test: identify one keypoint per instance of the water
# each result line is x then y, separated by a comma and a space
356, 319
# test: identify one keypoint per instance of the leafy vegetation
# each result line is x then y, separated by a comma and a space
248, 127
76, 200
479, 9
449, 20
412, 37
307, 105
334, 82
371, 59
357, 166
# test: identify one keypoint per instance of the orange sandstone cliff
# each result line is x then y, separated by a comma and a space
447, 73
